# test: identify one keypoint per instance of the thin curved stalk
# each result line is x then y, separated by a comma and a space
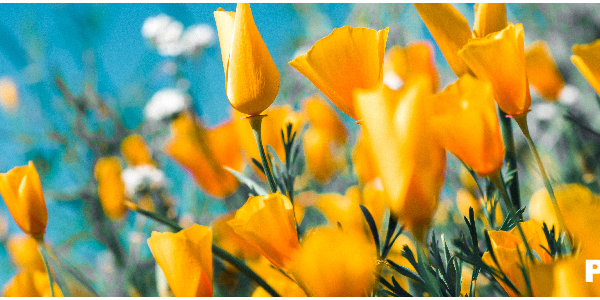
511, 156
42, 248
255, 123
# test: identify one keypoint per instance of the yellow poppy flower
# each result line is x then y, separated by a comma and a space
267, 222
500, 58
323, 156
363, 161
228, 240
342, 209
335, 263
9, 94
586, 58
24, 252
489, 17
22, 192
186, 259
507, 247
449, 29
278, 117
410, 163
402, 63
346, 60
466, 123
135, 151
204, 152
30, 283
542, 72
323, 117
566, 277
111, 188
281, 283
251, 77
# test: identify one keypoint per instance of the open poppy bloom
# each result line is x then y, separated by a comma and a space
111, 188
22, 192
186, 260
466, 124
346, 60
410, 163
586, 58
267, 222
251, 77
542, 72
336, 263
204, 152
500, 58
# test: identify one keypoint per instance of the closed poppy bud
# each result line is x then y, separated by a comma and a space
267, 222
346, 60
402, 63
204, 152
542, 72
135, 151
30, 283
489, 17
587, 59
410, 163
466, 123
24, 252
449, 29
186, 259
500, 58
335, 263
251, 77
111, 188
22, 192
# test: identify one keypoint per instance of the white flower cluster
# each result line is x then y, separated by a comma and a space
170, 38
142, 177
165, 103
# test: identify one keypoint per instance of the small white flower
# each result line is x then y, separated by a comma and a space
197, 37
165, 103
543, 111
141, 177
568, 95
165, 32
392, 80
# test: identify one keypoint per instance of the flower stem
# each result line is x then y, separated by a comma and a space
255, 123
522, 122
496, 179
511, 157
42, 248
236, 262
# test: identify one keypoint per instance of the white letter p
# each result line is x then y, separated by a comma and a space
591, 267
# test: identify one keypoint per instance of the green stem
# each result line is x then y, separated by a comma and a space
255, 123
522, 122
42, 248
236, 262
511, 157
497, 180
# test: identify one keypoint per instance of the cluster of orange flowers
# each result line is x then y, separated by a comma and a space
407, 126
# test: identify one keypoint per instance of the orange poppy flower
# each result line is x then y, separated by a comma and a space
22, 192
251, 77
111, 188
346, 60
186, 260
